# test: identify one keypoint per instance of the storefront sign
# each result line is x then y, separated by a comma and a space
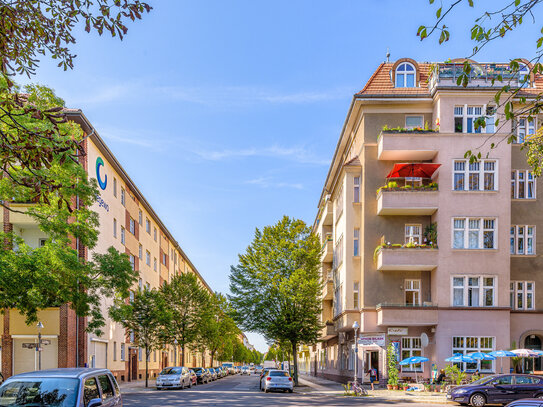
369, 340
397, 331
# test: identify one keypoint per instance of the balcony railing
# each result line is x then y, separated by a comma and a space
327, 249
425, 314
408, 145
421, 200
402, 258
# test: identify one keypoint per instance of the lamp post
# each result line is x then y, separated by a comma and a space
40, 327
175, 352
355, 327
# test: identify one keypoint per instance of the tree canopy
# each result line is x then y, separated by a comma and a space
276, 287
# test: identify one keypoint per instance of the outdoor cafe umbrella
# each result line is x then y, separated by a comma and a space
413, 170
458, 358
526, 353
502, 354
413, 360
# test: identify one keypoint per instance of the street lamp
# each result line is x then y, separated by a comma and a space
40, 327
175, 352
355, 327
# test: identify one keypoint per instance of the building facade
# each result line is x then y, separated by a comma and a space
128, 223
427, 251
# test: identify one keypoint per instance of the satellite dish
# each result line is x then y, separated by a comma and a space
423, 340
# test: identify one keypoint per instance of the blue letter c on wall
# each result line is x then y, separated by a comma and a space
100, 163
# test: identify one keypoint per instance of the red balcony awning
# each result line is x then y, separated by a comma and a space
414, 170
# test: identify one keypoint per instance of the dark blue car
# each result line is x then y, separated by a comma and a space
498, 389
62, 388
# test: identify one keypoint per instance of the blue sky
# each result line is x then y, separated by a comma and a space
226, 113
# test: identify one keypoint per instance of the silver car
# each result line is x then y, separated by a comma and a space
174, 378
277, 380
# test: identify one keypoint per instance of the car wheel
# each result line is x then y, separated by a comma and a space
477, 400
265, 390
290, 390
539, 396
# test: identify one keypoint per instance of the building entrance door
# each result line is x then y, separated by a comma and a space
371, 361
532, 342
134, 364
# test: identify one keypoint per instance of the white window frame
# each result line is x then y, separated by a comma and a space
140, 217
356, 242
404, 75
356, 295
482, 288
148, 258
339, 204
412, 116
482, 228
521, 290
123, 352
470, 113
527, 179
413, 347
338, 253
115, 228
140, 252
413, 286
123, 197
123, 235
154, 234
132, 226
147, 225
115, 187
525, 234
461, 344
525, 127
479, 169
356, 189
412, 234
132, 261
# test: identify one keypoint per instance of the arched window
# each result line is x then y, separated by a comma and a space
405, 75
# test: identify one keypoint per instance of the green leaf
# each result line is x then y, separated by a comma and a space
438, 12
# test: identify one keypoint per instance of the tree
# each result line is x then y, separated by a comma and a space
492, 25
144, 316
186, 300
276, 288
216, 325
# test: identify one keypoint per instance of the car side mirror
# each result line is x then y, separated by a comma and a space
95, 403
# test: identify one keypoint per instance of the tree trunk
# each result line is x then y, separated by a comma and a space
212, 357
182, 355
295, 354
147, 354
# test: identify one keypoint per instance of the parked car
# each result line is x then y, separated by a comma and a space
219, 372
202, 375
264, 373
62, 388
212, 374
526, 403
229, 366
258, 369
245, 370
498, 389
176, 377
193, 377
276, 380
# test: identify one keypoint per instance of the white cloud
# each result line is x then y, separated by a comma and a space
268, 182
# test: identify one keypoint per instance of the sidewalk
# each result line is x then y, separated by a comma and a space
136, 386
324, 386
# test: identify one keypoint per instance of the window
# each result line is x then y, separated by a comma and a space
412, 122
338, 303
123, 237
132, 261
525, 127
164, 258
147, 226
115, 187
468, 344
522, 184
140, 218
132, 337
147, 286
356, 243
411, 346
339, 204
412, 292
114, 351
122, 352
338, 253
522, 240
42, 242
123, 197
115, 228
477, 176
154, 234
473, 291
154, 264
479, 233
147, 258
465, 117
356, 191
90, 391
412, 234
405, 76
356, 290
521, 295
107, 388
132, 226
140, 252
140, 284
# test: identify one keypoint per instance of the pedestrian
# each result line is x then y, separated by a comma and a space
373, 376
441, 376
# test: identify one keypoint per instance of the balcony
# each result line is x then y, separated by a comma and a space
407, 315
328, 289
327, 249
326, 215
328, 332
407, 201
420, 258
407, 145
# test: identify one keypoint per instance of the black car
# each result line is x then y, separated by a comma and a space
498, 389
202, 375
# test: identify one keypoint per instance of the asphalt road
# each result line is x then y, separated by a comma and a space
242, 391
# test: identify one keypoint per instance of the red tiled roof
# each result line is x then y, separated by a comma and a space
381, 82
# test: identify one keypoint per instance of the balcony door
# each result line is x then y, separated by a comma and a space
412, 293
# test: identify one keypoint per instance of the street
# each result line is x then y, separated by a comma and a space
242, 391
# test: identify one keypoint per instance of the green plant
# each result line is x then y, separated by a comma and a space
474, 377
456, 375
392, 365
430, 234
515, 360
376, 251
347, 390
411, 244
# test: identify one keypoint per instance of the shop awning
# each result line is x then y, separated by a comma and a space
413, 170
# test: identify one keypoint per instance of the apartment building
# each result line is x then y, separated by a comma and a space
423, 249
128, 223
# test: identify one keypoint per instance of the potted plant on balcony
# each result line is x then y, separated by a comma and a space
392, 368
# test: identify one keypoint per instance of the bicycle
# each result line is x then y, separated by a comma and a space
358, 390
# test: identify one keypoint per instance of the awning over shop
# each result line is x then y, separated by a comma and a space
413, 170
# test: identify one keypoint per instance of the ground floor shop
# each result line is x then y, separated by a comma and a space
455, 332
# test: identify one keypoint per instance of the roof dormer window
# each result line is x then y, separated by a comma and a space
405, 75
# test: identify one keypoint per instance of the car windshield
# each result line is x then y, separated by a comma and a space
50, 392
277, 373
172, 370
197, 369
484, 380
